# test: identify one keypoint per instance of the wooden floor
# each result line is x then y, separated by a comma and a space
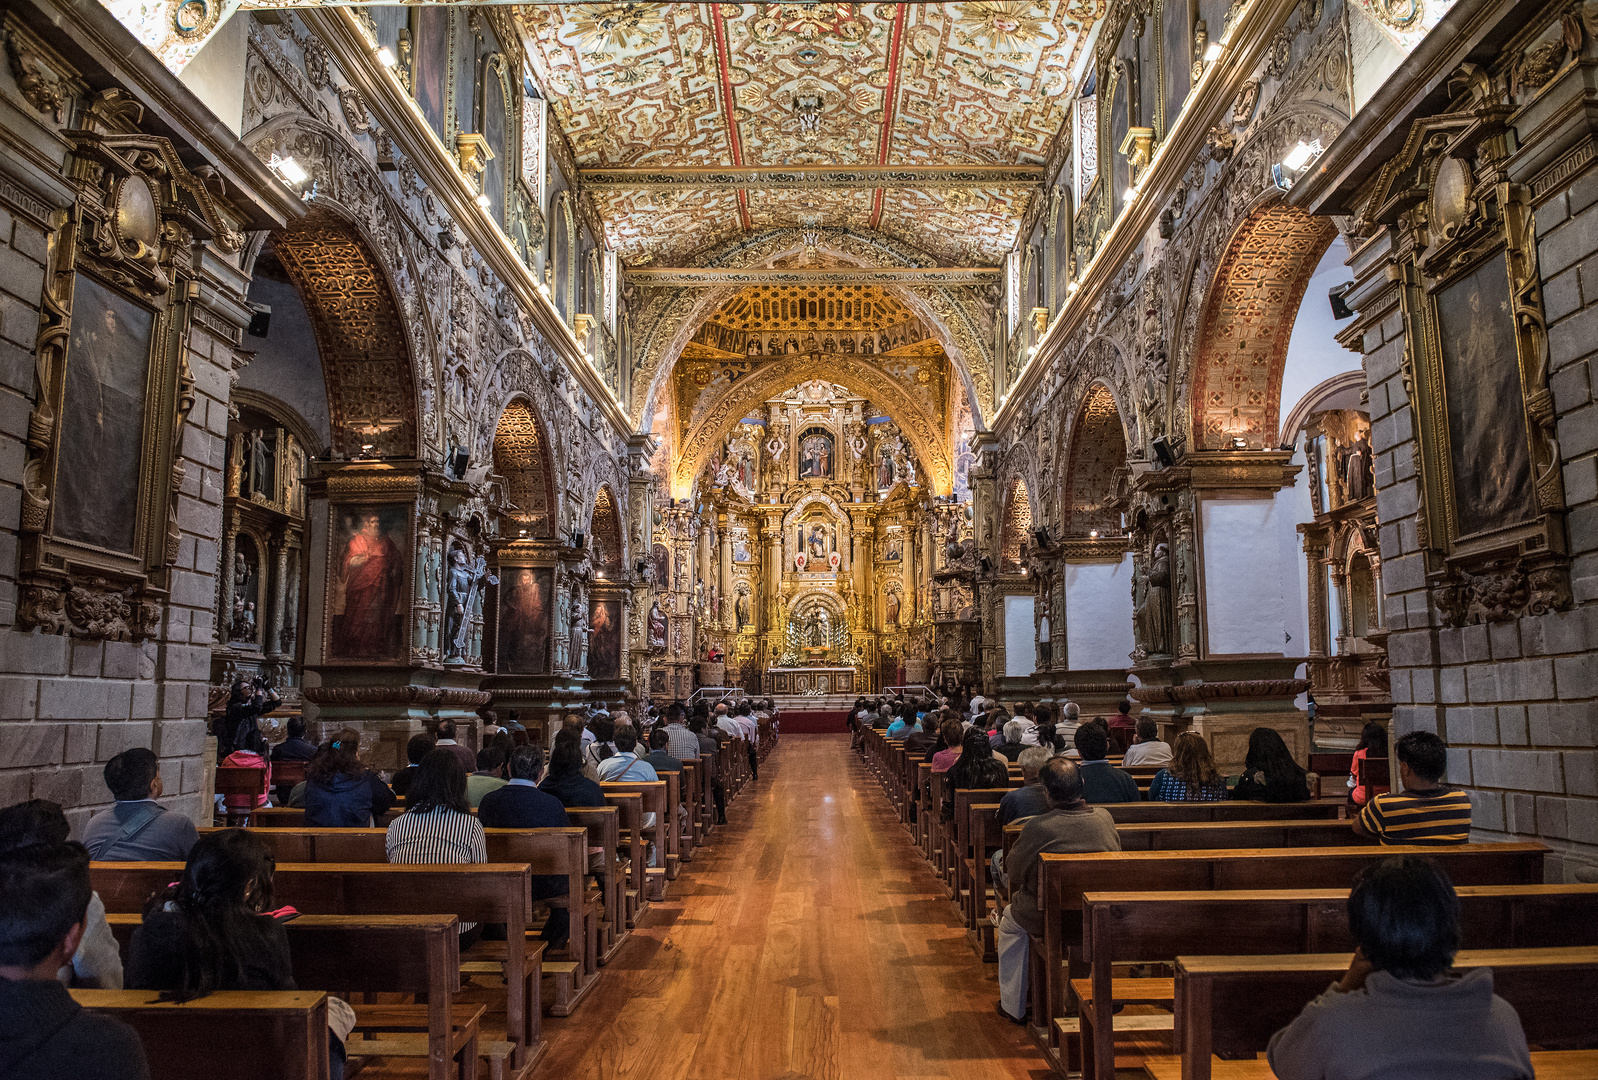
808, 940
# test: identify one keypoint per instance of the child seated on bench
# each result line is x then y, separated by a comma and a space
1398, 1011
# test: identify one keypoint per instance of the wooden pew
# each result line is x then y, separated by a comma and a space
677, 852
1233, 1004
477, 892
603, 824
984, 829
1150, 812
561, 851
240, 1034
969, 878
1063, 879
293, 817
1547, 1064
693, 797
654, 793
405, 954
1187, 835
240, 782
640, 887
1156, 927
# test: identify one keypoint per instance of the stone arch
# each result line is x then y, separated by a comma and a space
1098, 450
350, 261
1236, 379
806, 501
1015, 531
522, 456
1323, 395
606, 532
925, 433
671, 319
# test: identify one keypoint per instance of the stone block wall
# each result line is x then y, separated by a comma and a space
1517, 701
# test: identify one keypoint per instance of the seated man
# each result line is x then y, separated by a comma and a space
707, 753
416, 749
44, 892
446, 741
1147, 749
294, 748
1029, 799
625, 765
1427, 811
1399, 1011
520, 805
681, 743
137, 828
659, 758
1104, 783
1070, 825
490, 775
97, 965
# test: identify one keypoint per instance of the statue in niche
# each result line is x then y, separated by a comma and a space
574, 632
1357, 469
868, 346
829, 344
883, 343
891, 610
754, 347
885, 470
792, 345
776, 446
741, 610
1154, 616
817, 544
818, 627
243, 623
461, 582
846, 345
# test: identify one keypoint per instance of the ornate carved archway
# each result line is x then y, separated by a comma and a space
522, 457
1098, 448
1247, 323
604, 526
925, 433
1017, 524
359, 332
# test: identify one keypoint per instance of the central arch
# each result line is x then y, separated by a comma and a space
925, 433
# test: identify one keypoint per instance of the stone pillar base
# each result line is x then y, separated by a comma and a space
1097, 692
541, 701
1225, 700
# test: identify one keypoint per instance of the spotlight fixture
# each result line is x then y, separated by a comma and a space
1041, 536
1162, 452
260, 320
986, 564
1301, 155
1129, 194
1340, 308
1093, 534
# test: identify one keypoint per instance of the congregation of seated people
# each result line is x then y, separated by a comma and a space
1401, 1009
217, 927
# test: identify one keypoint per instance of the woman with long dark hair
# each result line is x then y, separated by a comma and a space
1372, 747
438, 826
340, 792
1191, 776
975, 768
214, 930
1269, 772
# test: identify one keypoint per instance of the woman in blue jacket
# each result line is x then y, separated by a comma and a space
340, 792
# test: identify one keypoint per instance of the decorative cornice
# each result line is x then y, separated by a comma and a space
1198, 693
699, 277
813, 176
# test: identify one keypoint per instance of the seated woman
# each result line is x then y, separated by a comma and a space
1372, 747
437, 825
213, 930
567, 781
977, 767
1191, 775
340, 792
953, 734
1399, 1011
251, 753
1269, 772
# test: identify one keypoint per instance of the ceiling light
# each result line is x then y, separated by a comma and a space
1213, 53
386, 57
289, 169
483, 200
1301, 155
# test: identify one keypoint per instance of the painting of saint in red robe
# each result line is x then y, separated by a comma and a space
369, 573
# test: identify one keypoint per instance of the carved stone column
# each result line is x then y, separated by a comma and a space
273, 645
725, 616
224, 617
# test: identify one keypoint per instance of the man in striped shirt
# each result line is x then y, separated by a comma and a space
1427, 811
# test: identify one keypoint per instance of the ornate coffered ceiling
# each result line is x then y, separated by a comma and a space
872, 86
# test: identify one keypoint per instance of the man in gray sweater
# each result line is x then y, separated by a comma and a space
1070, 826
1399, 1012
137, 828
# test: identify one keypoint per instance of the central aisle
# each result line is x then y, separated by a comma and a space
809, 939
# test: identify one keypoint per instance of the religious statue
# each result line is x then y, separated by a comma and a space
243, 627
1045, 642
891, 610
817, 624
818, 542
776, 446
461, 582
575, 632
1154, 616
741, 610
561, 637
1357, 469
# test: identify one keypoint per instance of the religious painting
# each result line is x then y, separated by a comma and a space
657, 628
815, 456
496, 127
367, 605
604, 641
430, 77
815, 541
525, 595
662, 560
102, 418
893, 547
740, 550
1488, 451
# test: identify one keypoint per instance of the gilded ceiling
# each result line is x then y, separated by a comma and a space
840, 84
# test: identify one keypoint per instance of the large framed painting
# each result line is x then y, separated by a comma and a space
1487, 446
604, 644
102, 418
368, 581
525, 597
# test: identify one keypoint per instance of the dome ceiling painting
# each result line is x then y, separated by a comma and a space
976, 86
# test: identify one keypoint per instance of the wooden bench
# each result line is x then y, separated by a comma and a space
1232, 1005
562, 851
240, 782
644, 883
1064, 879
403, 954
1156, 927
603, 824
240, 1034
1151, 812
654, 802
476, 892
1548, 1065
969, 877
293, 817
